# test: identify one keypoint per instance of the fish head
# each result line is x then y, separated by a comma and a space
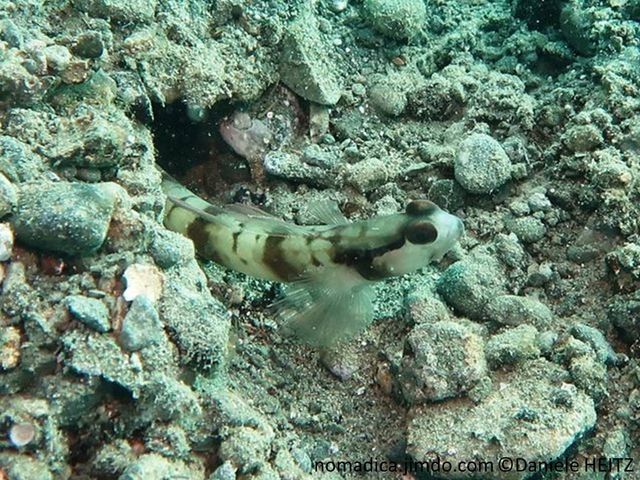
430, 232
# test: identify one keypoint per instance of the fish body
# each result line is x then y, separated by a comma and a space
330, 267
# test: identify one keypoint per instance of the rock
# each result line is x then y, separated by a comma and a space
167, 399
509, 250
481, 165
448, 194
17, 83
90, 311
590, 375
527, 229
530, 416
6, 242
245, 447
397, 19
289, 167
153, 465
141, 326
88, 45
388, 100
624, 312
100, 356
199, 323
577, 22
443, 360
142, 279
424, 307
468, 285
316, 156
17, 162
539, 202
226, 471
515, 310
11, 33
597, 341
305, 66
111, 459
104, 143
368, 174
71, 218
8, 196
9, 348
131, 11
512, 346
58, 57
23, 467
170, 248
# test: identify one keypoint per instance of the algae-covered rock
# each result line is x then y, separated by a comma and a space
169, 248
246, 447
22, 467
90, 311
443, 360
8, 196
533, 415
368, 174
596, 340
17, 162
424, 307
132, 11
590, 375
527, 229
226, 471
481, 164
199, 322
167, 399
468, 285
152, 465
71, 218
100, 356
31, 425
305, 66
387, 99
290, 167
513, 346
141, 326
516, 310
397, 19
9, 348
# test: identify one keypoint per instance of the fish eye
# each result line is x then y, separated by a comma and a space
421, 232
421, 207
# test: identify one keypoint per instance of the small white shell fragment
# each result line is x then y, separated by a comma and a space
142, 280
22, 434
6, 242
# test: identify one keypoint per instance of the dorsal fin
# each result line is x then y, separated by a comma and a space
326, 212
250, 211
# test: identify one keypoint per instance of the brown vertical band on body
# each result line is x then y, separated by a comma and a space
274, 257
199, 232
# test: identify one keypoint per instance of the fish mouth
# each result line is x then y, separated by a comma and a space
459, 228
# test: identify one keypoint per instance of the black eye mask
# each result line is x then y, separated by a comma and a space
420, 232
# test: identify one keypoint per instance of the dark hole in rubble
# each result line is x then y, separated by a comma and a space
193, 151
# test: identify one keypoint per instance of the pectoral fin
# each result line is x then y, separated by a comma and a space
323, 313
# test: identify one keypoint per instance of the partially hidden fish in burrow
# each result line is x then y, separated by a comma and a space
330, 267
